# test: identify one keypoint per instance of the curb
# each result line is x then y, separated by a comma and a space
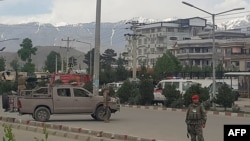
229, 114
68, 131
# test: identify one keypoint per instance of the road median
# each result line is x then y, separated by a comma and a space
67, 131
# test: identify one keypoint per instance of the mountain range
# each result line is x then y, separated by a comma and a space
51, 37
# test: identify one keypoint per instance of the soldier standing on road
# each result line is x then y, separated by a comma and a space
21, 83
196, 118
106, 99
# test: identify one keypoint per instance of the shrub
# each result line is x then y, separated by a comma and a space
146, 91
225, 96
124, 92
171, 94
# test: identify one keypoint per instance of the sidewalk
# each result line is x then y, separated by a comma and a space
244, 104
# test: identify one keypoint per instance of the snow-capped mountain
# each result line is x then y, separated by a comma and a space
112, 34
242, 22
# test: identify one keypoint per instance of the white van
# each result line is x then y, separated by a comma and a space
181, 84
115, 85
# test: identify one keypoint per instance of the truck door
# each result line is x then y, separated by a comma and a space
83, 101
63, 101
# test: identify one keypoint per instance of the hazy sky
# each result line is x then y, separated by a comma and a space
82, 11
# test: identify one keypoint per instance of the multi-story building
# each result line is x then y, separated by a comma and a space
157, 38
188, 40
232, 50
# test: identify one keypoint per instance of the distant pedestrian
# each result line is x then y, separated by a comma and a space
106, 99
196, 118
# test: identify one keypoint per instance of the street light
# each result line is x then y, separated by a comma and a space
90, 56
213, 51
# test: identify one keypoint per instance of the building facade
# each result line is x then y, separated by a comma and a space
157, 38
232, 51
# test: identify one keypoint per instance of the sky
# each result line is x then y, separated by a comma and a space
59, 12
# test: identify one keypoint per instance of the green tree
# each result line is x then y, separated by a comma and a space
87, 59
225, 96
168, 64
2, 64
107, 73
124, 93
107, 58
121, 72
26, 50
50, 62
146, 91
171, 94
29, 68
15, 66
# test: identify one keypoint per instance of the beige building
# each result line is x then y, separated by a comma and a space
232, 50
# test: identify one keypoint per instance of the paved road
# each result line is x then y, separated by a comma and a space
161, 125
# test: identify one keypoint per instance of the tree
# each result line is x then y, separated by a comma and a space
50, 62
26, 50
121, 72
107, 73
124, 93
107, 58
171, 94
2, 64
15, 66
146, 91
29, 68
168, 64
225, 96
87, 59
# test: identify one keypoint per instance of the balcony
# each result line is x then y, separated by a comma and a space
183, 56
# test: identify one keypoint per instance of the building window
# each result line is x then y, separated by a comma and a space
152, 40
153, 30
145, 40
139, 42
173, 38
139, 52
145, 51
158, 29
152, 50
228, 51
160, 40
248, 66
197, 50
170, 29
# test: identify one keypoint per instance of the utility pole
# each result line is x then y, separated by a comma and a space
67, 53
97, 48
56, 64
134, 37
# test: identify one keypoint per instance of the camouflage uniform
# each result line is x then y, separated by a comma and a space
21, 83
106, 99
195, 119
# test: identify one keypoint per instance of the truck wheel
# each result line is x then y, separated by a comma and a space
42, 114
5, 101
100, 113
93, 116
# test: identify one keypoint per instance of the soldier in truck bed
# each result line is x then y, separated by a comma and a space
21, 83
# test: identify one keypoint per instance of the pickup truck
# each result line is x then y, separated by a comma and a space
63, 99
